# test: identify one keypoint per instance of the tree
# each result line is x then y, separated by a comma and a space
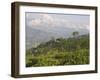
75, 34
76, 41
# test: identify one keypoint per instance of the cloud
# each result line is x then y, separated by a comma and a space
41, 19
46, 17
34, 22
47, 20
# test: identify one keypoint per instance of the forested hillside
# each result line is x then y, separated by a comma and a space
60, 51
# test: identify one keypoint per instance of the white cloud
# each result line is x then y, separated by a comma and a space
47, 20
46, 17
34, 22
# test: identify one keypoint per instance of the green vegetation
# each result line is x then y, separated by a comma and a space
60, 51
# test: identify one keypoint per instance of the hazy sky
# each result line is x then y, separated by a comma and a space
47, 20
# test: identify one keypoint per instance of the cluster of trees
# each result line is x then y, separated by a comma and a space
60, 51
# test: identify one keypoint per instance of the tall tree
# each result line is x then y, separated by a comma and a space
75, 34
76, 41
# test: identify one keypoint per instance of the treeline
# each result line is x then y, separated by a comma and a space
60, 51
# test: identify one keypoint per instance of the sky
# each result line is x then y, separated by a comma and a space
47, 20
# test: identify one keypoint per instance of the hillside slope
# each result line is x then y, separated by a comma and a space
60, 51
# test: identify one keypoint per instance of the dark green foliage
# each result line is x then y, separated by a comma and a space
61, 51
